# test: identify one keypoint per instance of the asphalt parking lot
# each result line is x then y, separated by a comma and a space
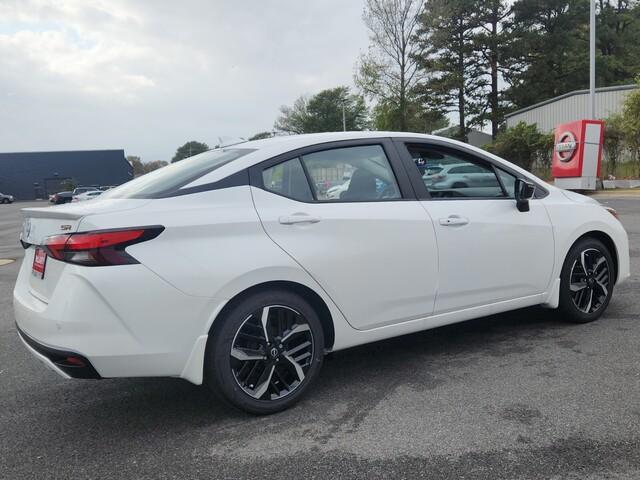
513, 396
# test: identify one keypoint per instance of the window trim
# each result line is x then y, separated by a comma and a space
420, 188
407, 193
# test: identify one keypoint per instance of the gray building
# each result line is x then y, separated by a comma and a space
571, 106
475, 137
30, 175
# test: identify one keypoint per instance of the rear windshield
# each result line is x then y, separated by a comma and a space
168, 180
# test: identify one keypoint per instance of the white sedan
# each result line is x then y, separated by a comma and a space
229, 268
91, 194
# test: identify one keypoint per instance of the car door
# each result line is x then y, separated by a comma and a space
488, 250
370, 246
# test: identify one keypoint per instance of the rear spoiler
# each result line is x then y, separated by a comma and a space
50, 212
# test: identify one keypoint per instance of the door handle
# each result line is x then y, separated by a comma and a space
453, 220
298, 218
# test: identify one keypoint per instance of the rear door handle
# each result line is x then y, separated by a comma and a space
298, 218
453, 220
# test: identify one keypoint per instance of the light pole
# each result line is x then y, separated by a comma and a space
344, 119
592, 59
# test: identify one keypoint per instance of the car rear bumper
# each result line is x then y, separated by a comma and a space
64, 363
121, 321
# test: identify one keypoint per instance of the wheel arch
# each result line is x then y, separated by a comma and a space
316, 301
608, 242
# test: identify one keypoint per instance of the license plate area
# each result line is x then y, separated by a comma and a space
39, 263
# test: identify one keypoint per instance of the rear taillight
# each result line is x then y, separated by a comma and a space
99, 248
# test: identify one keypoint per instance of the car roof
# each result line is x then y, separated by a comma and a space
264, 149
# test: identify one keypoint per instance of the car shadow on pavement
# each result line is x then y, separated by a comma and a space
137, 407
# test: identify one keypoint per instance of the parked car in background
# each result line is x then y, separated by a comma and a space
86, 195
106, 187
61, 197
335, 192
6, 198
231, 268
79, 190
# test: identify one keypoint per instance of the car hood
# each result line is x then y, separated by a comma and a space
576, 197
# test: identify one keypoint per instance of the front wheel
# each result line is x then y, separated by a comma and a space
266, 352
586, 281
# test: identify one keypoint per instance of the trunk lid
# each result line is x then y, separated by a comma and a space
42, 222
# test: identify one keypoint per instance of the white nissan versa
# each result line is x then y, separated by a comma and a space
232, 269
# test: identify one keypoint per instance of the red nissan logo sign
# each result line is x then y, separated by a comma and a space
566, 146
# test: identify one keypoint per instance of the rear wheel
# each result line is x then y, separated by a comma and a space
266, 352
587, 281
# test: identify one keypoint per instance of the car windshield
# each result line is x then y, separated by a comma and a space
169, 179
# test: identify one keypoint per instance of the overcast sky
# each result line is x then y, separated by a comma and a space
147, 76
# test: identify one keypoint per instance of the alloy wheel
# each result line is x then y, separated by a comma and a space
589, 281
272, 352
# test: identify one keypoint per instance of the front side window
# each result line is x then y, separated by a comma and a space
447, 174
361, 173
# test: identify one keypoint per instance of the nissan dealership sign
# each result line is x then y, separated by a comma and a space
566, 146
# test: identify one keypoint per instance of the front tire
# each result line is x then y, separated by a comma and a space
265, 352
586, 281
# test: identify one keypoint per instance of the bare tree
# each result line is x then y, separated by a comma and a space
388, 72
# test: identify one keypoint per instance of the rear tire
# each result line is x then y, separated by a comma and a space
265, 375
585, 295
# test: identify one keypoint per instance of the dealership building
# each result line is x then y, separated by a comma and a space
571, 106
31, 175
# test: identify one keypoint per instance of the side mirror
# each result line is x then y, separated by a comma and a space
524, 192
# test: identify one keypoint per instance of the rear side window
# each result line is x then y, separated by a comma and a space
287, 179
170, 179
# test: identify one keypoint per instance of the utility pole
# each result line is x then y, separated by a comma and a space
344, 119
592, 59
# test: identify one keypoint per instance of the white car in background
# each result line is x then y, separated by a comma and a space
86, 195
6, 198
229, 268
337, 190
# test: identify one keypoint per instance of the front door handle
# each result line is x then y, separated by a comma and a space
453, 220
298, 218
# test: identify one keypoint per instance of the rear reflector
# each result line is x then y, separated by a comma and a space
99, 248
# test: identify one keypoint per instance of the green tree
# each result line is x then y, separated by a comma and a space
450, 58
136, 163
386, 116
261, 135
293, 119
388, 72
493, 43
323, 112
613, 141
189, 149
523, 145
549, 53
631, 125
140, 167
618, 41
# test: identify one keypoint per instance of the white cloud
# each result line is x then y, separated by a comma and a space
148, 76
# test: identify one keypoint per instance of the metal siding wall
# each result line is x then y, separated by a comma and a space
19, 171
569, 109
